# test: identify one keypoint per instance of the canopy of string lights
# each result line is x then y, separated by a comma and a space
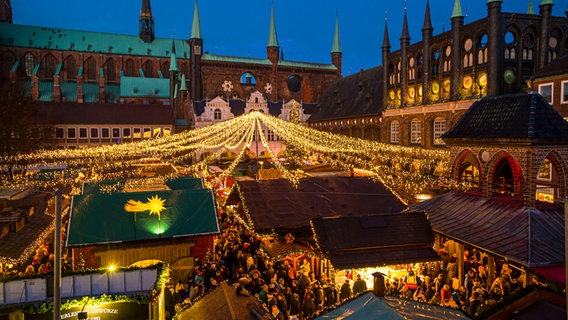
410, 169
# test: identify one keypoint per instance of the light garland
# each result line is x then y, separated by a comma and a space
409, 170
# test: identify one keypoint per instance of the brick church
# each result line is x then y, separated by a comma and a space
98, 88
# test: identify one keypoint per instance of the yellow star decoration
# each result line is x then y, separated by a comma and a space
154, 204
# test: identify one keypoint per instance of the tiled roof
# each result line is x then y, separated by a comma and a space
365, 241
526, 116
216, 57
529, 236
554, 68
103, 113
277, 204
222, 303
14, 245
15, 35
356, 95
144, 87
278, 248
300, 64
266, 62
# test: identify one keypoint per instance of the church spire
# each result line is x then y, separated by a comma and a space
405, 35
427, 18
173, 61
457, 9
272, 38
196, 26
336, 43
386, 41
146, 22
530, 9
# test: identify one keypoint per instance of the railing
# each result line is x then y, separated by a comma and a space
78, 285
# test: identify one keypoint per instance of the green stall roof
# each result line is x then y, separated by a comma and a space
102, 218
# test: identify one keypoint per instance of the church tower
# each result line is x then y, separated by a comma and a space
146, 22
196, 51
336, 52
272, 47
427, 31
404, 43
386, 51
457, 24
5, 11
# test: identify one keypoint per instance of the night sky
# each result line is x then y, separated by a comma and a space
240, 28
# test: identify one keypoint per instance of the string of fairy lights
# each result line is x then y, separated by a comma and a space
410, 169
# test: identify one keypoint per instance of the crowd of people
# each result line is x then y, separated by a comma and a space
445, 289
282, 290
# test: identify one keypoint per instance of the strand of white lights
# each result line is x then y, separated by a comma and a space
285, 173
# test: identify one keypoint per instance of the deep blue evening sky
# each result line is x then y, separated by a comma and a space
240, 28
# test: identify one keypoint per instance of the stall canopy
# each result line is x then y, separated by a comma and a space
370, 307
277, 204
119, 185
135, 216
375, 240
532, 237
222, 303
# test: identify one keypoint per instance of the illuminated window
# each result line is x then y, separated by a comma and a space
137, 133
395, 132
439, 129
415, 131
545, 171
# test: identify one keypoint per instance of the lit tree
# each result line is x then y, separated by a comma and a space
294, 155
19, 129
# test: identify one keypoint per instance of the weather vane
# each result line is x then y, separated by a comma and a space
405, 5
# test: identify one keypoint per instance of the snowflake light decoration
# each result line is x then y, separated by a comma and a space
268, 88
227, 86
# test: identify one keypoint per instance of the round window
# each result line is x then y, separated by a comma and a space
468, 44
510, 38
294, 84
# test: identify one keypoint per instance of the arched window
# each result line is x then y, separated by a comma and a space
70, 68
247, 79
415, 131
148, 69
468, 56
48, 66
110, 72
528, 45
90, 69
411, 69
129, 68
395, 131
165, 69
448, 58
435, 62
217, 114
503, 182
439, 127
482, 49
29, 64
